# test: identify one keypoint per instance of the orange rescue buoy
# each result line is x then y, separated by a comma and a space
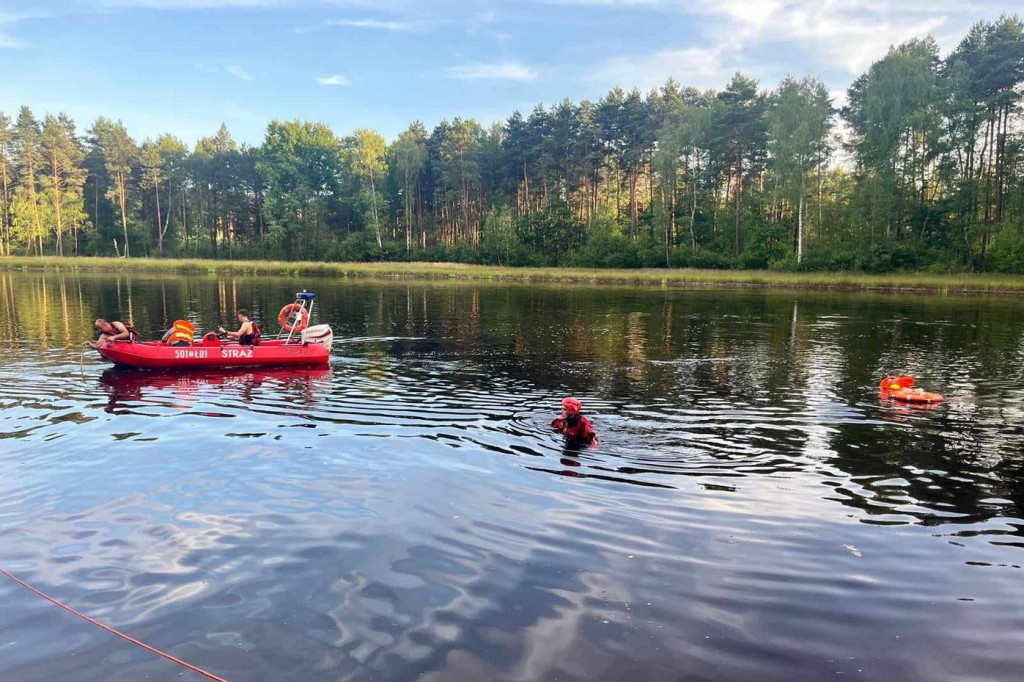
293, 317
900, 388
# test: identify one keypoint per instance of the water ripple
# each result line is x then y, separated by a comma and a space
753, 510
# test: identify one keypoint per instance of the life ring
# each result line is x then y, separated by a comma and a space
915, 395
901, 388
293, 318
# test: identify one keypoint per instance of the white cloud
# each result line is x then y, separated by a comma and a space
9, 41
231, 69
7, 21
336, 79
507, 70
849, 35
625, 4
229, 4
701, 67
483, 26
373, 24
238, 72
189, 4
479, 22
838, 35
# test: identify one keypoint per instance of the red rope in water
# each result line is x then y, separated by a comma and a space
113, 631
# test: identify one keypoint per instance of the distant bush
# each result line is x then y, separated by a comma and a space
606, 247
1006, 250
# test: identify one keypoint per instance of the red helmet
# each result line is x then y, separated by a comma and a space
572, 406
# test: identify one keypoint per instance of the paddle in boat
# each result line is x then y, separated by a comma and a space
297, 344
901, 389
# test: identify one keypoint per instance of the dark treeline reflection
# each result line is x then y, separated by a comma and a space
712, 383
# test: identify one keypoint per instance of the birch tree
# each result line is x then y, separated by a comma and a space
799, 125
366, 150
408, 155
6, 183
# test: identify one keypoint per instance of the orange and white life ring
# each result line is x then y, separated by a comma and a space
293, 318
915, 395
901, 388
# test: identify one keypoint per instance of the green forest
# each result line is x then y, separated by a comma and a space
921, 169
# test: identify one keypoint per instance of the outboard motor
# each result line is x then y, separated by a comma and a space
319, 333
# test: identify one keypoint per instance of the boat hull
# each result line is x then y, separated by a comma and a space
199, 356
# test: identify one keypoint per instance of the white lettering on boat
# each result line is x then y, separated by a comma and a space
236, 352
190, 353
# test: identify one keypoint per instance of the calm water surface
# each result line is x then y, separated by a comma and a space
754, 511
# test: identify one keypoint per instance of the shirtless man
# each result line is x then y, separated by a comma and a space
245, 334
109, 332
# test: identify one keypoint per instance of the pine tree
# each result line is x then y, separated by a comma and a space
741, 136
119, 156
26, 207
63, 157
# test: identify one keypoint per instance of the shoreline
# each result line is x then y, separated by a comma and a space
966, 283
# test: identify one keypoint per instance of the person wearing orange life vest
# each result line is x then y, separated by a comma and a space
248, 333
573, 424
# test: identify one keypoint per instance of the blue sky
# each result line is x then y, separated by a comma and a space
184, 66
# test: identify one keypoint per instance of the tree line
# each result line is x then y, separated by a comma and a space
923, 167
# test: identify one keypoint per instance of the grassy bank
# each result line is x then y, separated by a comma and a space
934, 283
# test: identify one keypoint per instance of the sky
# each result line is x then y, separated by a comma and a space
186, 66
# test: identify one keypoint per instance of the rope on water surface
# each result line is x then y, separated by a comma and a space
112, 631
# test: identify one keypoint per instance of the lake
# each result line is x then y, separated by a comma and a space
754, 510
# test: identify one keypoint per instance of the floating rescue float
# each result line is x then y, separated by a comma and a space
901, 388
302, 346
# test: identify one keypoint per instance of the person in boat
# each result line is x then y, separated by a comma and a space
573, 424
248, 333
110, 332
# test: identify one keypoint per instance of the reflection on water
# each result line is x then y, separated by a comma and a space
754, 511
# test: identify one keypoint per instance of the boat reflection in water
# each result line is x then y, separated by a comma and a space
130, 388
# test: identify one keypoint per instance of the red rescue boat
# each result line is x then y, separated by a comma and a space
155, 355
301, 346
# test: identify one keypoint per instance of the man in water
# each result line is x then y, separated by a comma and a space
573, 424
246, 332
110, 332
